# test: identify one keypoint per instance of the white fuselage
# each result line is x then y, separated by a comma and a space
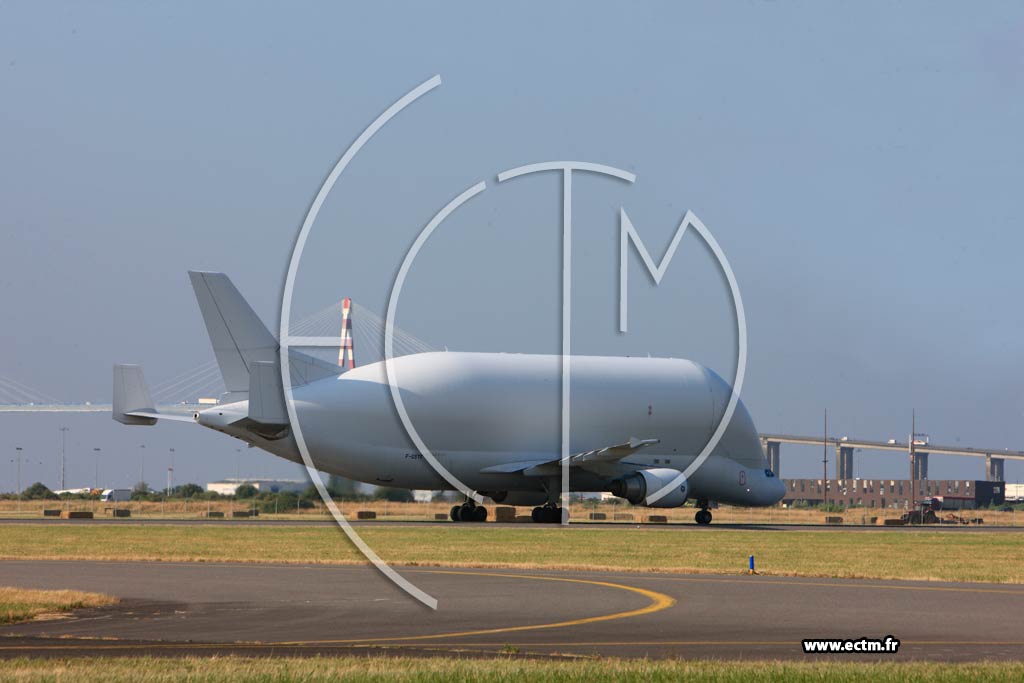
479, 410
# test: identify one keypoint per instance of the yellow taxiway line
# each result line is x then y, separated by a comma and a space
658, 602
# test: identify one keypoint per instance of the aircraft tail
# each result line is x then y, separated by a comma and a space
238, 336
241, 341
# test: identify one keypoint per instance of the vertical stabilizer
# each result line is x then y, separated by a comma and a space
238, 336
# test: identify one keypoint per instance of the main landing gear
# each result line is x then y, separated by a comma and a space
468, 512
703, 516
550, 514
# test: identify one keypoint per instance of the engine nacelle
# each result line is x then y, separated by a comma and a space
637, 486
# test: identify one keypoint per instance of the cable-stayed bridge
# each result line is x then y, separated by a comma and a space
202, 385
203, 382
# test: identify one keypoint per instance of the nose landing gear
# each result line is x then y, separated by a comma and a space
468, 512
703, 516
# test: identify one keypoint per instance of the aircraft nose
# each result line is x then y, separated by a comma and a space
773, 491
770, 491
778, 490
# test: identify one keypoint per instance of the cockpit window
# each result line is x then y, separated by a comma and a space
769, 474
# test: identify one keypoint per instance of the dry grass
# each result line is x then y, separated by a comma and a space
181, 509
916, 555
22, 604
497, 670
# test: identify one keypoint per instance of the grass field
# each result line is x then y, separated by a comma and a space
20, 604
193, 509
413, 670
919, 555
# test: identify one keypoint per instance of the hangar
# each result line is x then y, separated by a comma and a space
892, 493
227, 487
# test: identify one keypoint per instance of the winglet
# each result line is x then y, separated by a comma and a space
266, 394
131, 395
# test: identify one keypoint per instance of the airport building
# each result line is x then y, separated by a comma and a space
1014, 493
227, 487
895, 493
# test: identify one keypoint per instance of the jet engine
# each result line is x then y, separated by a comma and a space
637, 486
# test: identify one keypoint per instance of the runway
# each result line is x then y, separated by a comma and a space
213, 608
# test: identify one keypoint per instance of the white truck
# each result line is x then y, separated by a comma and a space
115, 495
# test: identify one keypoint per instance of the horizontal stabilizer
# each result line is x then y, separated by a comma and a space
304, 368
154, 415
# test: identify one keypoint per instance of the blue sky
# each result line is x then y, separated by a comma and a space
860, 164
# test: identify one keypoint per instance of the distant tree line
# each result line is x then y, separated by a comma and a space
338, 487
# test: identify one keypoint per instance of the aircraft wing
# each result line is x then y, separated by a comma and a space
611, 453
513, 467
587, 459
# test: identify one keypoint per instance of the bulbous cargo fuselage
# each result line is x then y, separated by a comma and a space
478, 410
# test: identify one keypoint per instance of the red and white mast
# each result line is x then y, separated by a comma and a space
346, 353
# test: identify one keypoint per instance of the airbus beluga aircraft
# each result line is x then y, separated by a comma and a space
491, 419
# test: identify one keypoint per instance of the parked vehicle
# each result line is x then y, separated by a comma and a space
116, 495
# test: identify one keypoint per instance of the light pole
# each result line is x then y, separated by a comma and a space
142, 463
63, 445
96, 481
170, 475
913, 454
17, 452
824, 460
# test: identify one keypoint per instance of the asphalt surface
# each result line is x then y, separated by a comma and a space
210, 608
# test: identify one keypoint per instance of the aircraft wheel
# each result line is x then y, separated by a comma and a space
538, 515
455, 513
480, 514
551, 515
703, 517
